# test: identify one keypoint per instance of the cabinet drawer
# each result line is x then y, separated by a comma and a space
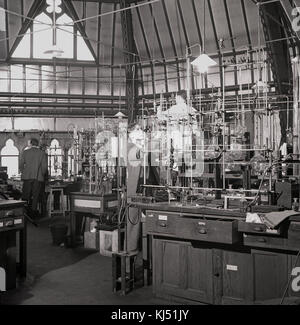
93, 204
218, 231
264, 241
294, 230
6, 213
14, 223
193, 228
257, 228
294, 235
161, 223
292, 244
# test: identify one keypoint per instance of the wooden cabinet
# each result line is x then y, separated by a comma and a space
8, 257
270, 275
237, 276
206, 259
182, 271
225, 275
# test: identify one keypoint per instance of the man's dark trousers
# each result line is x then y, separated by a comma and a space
31, 192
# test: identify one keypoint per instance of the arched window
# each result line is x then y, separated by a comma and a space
65, 37
43, 36
10, 158
40, 34
55, 159
71, 161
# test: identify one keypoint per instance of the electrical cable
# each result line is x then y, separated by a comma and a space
23, 16
27, 33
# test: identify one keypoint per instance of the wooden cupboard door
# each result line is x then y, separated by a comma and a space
8, 257
270, 275
182, 271
237, 278
167, 264
199, 272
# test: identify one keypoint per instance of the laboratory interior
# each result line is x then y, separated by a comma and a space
149, 152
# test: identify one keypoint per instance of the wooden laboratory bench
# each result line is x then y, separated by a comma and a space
88, 204
212, 256
13, 222
192, 209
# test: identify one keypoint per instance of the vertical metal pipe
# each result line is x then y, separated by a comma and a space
146, 148
296, 115
224, 126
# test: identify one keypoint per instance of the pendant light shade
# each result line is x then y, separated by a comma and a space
203, 62
120, 115
54, 51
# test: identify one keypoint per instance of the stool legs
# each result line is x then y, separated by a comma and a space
115, 273
51, 203
123, 281
123, 275
132, 271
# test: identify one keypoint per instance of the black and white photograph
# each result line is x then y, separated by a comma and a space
150, 156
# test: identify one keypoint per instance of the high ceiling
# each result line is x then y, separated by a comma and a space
162, 29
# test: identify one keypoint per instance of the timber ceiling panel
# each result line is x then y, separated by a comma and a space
162, 30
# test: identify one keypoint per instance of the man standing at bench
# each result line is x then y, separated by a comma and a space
34, 167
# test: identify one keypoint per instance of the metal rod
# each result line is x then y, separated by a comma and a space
203, 188
224, 127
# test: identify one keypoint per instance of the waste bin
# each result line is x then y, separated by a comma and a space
59, 233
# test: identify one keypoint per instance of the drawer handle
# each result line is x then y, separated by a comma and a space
258, 229
9, 223
9, 214
202, 231
163, 225
261, 240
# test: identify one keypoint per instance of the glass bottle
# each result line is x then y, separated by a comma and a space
295, 205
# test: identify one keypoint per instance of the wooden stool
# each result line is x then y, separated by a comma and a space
51, 204
122, 280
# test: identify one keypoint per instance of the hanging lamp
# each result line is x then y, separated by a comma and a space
203, 62
54, 7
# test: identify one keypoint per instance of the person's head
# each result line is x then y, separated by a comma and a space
34, 142
181, 97
43, 146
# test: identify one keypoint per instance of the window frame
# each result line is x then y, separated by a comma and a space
16, 155
58, 59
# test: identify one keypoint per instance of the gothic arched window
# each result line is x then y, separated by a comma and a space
10, 158
55, 158
40, 35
